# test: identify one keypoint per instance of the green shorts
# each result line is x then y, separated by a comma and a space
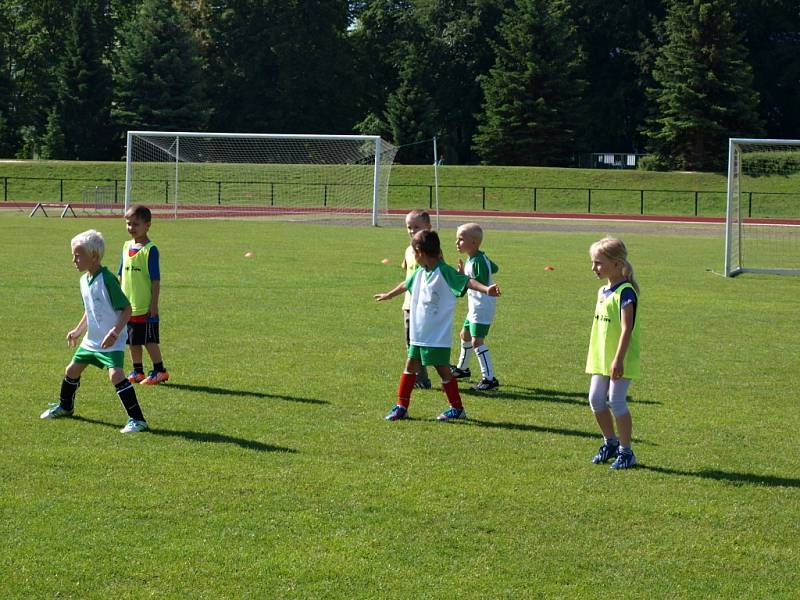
103, 360
480, 330
428, 356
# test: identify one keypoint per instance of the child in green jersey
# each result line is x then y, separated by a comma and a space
434, 287
480, 307
416, 220
140, 274
613, 359
106, 311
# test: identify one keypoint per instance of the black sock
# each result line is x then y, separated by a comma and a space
127, 395
138, 368
69, 388
158, 367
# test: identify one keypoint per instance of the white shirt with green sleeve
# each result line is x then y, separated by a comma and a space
433, 303
104, 301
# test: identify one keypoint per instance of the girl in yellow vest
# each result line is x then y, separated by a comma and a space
613, 359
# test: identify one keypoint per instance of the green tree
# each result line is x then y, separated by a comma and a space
83, 111
615, 37
533, 92
411, 113
53, 145
158, 84
771, 33
704, 88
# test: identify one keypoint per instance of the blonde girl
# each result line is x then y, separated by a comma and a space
613, 359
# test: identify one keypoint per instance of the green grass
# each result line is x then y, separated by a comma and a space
270, 473
461, 188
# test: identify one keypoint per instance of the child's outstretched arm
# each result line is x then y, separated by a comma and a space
489, 290
76, 332
391, 294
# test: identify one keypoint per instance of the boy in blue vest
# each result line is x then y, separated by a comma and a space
140, 275
106, 311
434, 287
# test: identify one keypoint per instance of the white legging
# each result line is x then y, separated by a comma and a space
607, 393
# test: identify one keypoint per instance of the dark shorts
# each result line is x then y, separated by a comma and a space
140, 334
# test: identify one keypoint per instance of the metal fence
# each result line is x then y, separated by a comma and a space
110, 192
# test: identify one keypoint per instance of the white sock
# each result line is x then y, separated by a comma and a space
482, 352
463, 357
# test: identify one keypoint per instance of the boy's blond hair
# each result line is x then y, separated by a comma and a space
472, 230
92, 243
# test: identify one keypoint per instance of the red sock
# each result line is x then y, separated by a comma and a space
451, 390
404, 389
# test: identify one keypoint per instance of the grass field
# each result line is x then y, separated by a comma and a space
270, 472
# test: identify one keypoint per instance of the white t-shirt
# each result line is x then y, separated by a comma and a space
481, 307
433, 303
104, 301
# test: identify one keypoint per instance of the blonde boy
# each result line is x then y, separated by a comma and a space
417, 220
481, 307
106, 312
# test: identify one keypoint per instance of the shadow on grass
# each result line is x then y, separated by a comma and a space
529, 427
217, 391
518, 392
729, 476
199, 436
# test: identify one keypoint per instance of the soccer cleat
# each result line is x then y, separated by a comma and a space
136, 377
625, 460
424, 384
154, 378
452, 413
606, 452
398, 412
460, 373
487, 384
134, 426
56, 411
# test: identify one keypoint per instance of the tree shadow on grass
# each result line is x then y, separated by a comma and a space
519, 392
200, 436
529, 427
218, 391
729, 476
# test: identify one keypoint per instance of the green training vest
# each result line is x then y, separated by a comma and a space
606, 330
136, 282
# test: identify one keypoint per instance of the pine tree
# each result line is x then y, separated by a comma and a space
533, 92
410, 111
704, 88
82, 116
158, 82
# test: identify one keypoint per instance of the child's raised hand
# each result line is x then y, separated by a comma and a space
494, 290
380, 297
460, 267
72, 337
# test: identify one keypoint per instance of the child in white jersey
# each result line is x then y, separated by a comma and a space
613, 358
480, 307
434, 287
416, 220
106, 313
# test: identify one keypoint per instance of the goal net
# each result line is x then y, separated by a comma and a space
762, 222
302, 177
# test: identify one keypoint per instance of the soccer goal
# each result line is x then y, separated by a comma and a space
302, 177
762, 221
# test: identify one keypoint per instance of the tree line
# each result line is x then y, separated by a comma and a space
505, 82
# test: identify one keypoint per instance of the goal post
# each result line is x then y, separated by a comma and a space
297, 176
762, 235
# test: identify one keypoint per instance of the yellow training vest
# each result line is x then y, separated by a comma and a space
136, 282
606, 331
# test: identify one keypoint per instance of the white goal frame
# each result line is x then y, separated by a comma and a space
738, 226
351, 170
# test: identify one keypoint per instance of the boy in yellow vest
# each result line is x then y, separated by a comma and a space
140, 276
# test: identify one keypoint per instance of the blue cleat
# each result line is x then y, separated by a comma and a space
451, 414
398, 412
607, 451
625, 460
